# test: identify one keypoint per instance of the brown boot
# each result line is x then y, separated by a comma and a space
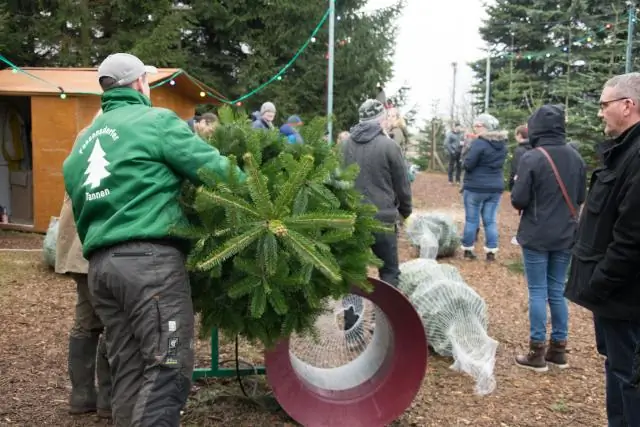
557, 354
534, 360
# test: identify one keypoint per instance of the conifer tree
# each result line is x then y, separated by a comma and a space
270, 249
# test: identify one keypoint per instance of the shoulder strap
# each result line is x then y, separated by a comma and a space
567, 199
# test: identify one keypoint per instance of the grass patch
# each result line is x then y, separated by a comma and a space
515, 266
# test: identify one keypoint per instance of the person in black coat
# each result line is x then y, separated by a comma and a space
522, 136
604, 275
549, 206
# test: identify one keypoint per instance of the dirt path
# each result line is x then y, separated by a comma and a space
36, 308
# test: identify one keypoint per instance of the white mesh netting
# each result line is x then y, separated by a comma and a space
353, 339
455, 318
436, 234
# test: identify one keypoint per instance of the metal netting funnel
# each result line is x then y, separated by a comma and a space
364, 369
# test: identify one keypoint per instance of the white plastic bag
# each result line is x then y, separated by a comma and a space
49, 244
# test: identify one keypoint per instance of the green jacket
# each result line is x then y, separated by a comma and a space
125, 172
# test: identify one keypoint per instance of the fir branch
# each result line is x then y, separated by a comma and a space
308, 254
294, 183
316, 220
243, 287
232, 247
258, 188
258, 302
268, 253
204, 198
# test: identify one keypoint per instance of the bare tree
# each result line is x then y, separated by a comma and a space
465, 110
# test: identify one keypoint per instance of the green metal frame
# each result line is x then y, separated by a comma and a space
216, 371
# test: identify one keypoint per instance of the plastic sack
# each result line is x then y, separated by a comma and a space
49, 244
455, 318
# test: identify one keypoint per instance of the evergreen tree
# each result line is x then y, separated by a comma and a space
268, 251
547, 51
232, 46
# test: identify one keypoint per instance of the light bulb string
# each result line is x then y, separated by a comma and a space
207, 91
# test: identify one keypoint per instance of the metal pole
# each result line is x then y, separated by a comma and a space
332, 29
487, 91
453, 93
630, 30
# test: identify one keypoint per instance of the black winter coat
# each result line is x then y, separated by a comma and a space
546, 223
515, 160
605, 268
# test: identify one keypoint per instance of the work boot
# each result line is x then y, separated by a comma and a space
82, 371
470, 255
557, 354
534, 360
104, 380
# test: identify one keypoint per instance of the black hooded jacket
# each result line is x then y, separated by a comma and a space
546, 223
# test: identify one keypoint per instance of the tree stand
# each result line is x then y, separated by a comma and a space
216, 371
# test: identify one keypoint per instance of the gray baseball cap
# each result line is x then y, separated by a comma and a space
124, 68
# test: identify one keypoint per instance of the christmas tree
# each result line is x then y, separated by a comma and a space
269, 250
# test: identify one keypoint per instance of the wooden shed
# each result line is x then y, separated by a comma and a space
41, 112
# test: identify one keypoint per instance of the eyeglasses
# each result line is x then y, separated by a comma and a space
605, 104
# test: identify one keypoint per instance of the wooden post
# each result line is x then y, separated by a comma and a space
432, 161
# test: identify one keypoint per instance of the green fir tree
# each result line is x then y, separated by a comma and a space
270, 249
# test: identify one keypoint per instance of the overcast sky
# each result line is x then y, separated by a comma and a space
432, 35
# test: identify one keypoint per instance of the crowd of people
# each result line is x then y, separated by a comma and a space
580, 239
134, 320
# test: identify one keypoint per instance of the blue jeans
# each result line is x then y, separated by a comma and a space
546, 273
476, 206
619, 341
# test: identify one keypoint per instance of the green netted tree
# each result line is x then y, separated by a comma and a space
270, 249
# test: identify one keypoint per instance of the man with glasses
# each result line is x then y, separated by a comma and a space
605, 269
124, 177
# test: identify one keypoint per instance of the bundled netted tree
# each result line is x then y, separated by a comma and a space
269, 248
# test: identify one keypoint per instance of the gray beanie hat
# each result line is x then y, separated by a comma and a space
267, 107
488, 121
371, 109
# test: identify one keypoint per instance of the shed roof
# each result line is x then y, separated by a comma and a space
83, 81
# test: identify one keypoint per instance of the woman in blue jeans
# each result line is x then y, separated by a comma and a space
548, 191
483, 184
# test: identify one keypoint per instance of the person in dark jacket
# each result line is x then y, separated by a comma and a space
265, 117
290, 130
453, 143
546, 231
203, 125
522, 136
382, 180
483, 184
604, 275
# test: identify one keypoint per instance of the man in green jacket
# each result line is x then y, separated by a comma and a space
124, 179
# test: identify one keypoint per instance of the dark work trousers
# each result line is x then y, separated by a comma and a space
619, 342
141, 293
455, 165
385, 248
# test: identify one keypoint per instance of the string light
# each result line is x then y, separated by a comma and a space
549, 52
203, 94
